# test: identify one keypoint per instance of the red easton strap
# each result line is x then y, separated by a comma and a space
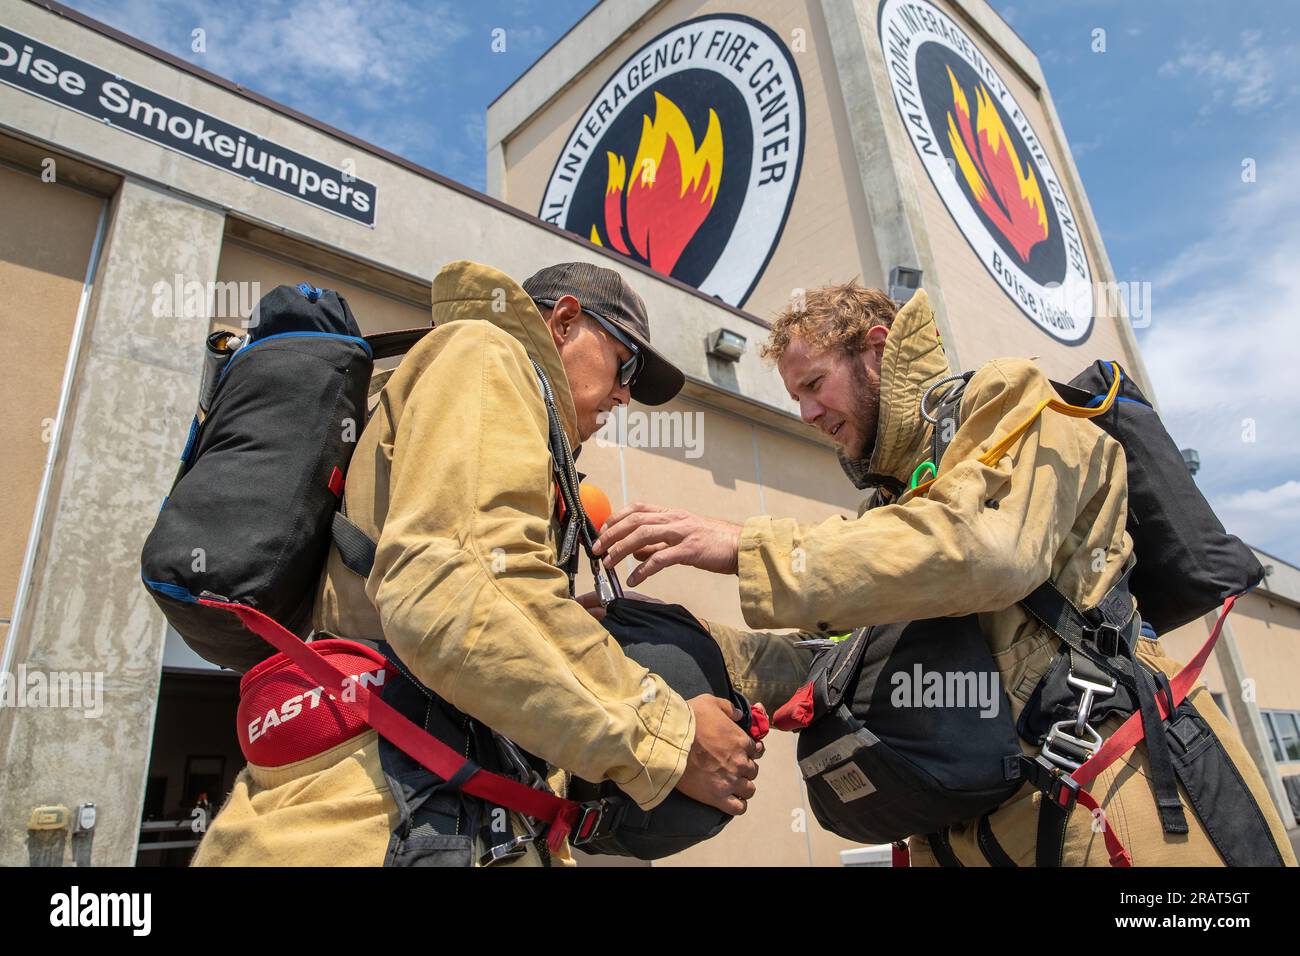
431, 753
285, 716
1130, 732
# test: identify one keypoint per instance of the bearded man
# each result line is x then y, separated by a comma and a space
976, 540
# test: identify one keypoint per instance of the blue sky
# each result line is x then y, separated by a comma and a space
1160, 124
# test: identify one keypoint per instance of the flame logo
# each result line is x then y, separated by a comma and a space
653, 214
993, 171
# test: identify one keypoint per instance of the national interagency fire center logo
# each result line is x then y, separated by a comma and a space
688, 158
989, 166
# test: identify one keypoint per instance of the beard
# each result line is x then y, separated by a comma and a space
866, 411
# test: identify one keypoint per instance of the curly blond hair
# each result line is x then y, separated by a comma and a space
834, 316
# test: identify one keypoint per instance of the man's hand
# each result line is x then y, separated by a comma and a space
720, 768
660, 538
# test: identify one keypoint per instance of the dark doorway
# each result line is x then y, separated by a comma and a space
192, 765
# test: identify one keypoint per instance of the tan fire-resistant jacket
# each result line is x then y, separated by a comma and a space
981, 539
452, 477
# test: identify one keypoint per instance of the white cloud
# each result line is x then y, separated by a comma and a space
1222, 351
1245, 76
280, 47
1266, 517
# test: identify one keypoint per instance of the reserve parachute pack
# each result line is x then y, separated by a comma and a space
877, 773
667, 640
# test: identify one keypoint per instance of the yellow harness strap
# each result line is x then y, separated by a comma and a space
994, 454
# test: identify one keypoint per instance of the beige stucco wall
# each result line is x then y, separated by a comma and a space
375, 311
43, 261
86, 611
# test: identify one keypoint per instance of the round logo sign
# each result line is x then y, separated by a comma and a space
688, 158
988, 165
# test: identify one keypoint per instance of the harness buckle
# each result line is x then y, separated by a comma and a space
1067, 750
1091, 692
591, 823
511, 849
527, 774
1107, 637
604, 585
1052, 781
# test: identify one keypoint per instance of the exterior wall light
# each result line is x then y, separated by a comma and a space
902, 283
726, 345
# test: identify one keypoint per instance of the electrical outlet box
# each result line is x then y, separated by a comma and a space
49, 818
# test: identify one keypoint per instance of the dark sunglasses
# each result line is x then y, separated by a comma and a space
627, 371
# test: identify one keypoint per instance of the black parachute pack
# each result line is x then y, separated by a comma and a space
251, 514
878, 772
882, 755
667, 640
1187, 564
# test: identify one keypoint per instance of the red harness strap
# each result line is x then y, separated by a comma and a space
1130, 733
431, 753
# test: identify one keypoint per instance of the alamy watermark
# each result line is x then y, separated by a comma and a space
638, 429
67, 690
923, 688
179, 298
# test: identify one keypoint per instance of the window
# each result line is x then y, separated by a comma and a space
1267, 717
1284, 734
1288, 735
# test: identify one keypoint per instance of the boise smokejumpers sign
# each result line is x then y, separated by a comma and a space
688, 158
989, 166
55, 76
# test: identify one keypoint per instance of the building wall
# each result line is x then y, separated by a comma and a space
86, 612
830, 235
374, 310
44, 258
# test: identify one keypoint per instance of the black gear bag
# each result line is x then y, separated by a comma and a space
667, 640
251, 514
1187, 564
885, 752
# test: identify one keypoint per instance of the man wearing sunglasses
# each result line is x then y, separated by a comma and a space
452, 478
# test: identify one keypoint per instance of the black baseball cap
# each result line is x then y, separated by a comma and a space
604, 292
